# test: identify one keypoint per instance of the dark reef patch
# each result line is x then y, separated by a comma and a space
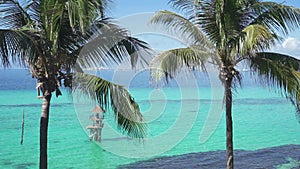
287, 157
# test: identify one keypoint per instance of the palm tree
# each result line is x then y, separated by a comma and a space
46, 36
226, 33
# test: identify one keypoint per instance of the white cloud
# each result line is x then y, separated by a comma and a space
290, 46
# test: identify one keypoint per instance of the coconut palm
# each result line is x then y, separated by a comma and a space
46, 36
226, 33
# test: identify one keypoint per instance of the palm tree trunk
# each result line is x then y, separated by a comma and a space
44, 131
229, 131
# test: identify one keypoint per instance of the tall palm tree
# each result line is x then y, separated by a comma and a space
226, 33
46, 36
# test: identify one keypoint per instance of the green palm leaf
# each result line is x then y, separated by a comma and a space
171, 62
254, 38
189, 7
181, 26
109, 45
280, 71
18, 47
33, 11
277, 17
12, 15
116, 97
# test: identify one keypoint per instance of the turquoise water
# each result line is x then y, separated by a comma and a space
262, 119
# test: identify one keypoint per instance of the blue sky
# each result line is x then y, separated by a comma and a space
122, 8
125, 9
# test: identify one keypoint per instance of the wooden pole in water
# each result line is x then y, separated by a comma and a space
22, 133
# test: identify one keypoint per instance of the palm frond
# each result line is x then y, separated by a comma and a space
84, 12
12, 15
78, 13
52, 19
18, 47
206, 18
280, 71
102, 6
169, 63
110, 95
277, 17
138, 51
32, 8
180, 26
222, 21
187, 6
110, 45
76, 16
254, 38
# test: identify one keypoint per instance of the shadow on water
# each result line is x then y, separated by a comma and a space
282, 157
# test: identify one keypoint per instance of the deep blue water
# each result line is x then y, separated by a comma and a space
18, 79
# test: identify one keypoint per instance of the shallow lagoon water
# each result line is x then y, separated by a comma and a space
262, 120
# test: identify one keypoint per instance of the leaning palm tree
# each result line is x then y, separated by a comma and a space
46, 36
226, 33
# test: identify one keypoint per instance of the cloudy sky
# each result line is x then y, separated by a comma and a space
129, 10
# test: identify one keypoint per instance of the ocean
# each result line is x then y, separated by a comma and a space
266, 129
